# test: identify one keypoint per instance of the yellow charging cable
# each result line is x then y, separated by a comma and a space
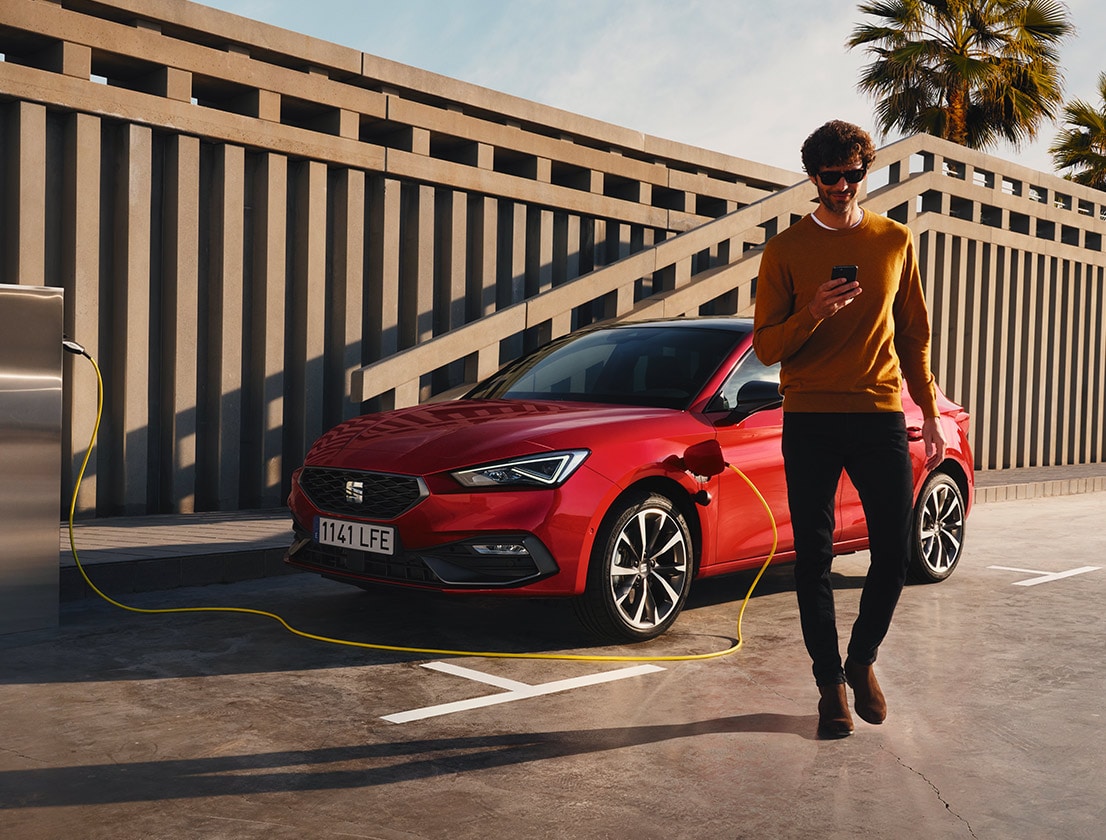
75, 348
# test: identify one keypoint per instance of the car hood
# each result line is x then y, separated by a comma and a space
444, 436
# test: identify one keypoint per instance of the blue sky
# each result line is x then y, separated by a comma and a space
749, 78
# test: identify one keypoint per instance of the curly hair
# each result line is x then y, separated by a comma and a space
835, 144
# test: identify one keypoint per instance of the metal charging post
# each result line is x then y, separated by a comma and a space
30, 455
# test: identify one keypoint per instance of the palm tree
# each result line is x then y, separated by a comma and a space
971, 71
1081, 146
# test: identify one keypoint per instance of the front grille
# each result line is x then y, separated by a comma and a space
366, 495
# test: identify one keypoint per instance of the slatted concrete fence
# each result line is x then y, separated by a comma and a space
243, 216
260, 234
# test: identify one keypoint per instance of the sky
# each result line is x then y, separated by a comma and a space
748, 78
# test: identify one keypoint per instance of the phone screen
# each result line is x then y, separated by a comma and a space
848, 272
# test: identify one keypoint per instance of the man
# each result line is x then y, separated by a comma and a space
842, 343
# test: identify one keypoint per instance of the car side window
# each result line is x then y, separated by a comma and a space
749, 369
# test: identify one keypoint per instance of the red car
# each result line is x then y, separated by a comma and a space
564, 474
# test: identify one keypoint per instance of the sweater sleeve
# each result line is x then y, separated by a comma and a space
778, 330
912, 336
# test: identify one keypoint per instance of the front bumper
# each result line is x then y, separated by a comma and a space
489, 562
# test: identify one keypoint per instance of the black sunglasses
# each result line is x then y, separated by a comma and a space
831, 176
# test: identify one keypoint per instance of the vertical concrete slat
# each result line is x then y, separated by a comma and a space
566, 248
483, 240
82, 218
999, 358
540, 247
959, 288
1024, 306
26, 199
455, 286
450, 297
1056, 366
946, 284
1087, 347
131, 323
597, 227
1014, 348
514, 271
1039, 321
1077, 409
349, 275
572, 257
270, 279
180, 317
1056, 386
975, 333
307, 317
425, 247
382, 257
1098, 440
1092, 431
386, 265
511, 267
228, 265
624, 300
487, 361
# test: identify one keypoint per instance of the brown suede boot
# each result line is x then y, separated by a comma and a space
834, 720
870, 703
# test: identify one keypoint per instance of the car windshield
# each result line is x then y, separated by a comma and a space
663, 365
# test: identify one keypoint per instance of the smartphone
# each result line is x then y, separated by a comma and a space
845, 272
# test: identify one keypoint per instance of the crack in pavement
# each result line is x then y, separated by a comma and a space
936, 790
24, 756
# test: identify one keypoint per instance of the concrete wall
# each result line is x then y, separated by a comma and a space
261, 233
243, 216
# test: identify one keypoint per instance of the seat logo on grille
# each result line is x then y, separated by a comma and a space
355, 492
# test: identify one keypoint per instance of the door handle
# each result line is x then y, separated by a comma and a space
913, 432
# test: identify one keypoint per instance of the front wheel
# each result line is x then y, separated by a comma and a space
640, 571
937, 538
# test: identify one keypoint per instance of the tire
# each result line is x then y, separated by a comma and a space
640, 571
937, 537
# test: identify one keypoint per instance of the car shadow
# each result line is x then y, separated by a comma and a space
223, 631
778, 578
96, 641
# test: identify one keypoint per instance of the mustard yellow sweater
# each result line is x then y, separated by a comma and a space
850, 362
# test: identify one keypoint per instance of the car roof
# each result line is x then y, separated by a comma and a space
743, 325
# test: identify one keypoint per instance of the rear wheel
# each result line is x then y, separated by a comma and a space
937, 540
640, 570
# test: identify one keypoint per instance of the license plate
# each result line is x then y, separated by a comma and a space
360, 536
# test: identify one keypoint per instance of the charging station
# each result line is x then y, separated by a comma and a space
30, 455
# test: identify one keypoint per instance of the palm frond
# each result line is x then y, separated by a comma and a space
975, 71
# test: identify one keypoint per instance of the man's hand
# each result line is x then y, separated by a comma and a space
934, 437
833, 296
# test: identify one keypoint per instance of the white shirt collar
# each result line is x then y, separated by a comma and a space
850, 227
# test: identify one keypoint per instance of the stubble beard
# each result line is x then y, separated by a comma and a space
838, 205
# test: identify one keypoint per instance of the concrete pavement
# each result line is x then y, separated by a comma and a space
217, 725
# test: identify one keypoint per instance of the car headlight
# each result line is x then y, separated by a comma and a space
550, 469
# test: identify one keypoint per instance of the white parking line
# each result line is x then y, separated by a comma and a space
515, 690
478, 676
1044, 577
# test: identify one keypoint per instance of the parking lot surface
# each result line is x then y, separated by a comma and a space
225, 725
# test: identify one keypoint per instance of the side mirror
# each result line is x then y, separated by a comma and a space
755, 395
704, 458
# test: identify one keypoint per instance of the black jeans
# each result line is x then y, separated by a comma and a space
872, 449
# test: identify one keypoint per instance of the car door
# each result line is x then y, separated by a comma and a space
851, 524
752, 444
